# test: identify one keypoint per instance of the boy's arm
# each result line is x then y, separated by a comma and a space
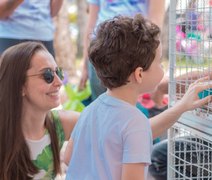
7, 7
133, 171
68, 119
156, 12
190, 101
55, 7
68, 152
92, 18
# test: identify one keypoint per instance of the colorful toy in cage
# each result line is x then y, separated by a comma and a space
205, 93
179, 37
189, 43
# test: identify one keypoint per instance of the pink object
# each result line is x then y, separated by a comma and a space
146, 101
179, 37
191, 46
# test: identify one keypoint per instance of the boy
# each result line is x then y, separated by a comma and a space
113, 139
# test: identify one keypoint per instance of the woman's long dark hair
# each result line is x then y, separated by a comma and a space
15, 161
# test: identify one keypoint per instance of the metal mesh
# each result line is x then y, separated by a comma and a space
190, 55
190, 155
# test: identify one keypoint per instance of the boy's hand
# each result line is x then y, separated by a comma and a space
191, 99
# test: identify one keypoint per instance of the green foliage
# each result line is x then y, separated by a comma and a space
72, 17
183, 61
76, 97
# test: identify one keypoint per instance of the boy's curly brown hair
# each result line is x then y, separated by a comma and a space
121, 45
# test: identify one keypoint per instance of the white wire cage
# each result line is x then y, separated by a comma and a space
190, 155
190, 55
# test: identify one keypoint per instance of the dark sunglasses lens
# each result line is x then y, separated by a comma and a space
60, 74
48, 76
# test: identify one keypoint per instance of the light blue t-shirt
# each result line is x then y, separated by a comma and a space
31, 20
110, 132
110, 8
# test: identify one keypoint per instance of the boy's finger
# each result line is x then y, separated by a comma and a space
203, 101
204, 86
201, 79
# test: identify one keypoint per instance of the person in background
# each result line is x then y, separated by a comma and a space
31, 134
101, 10
27, 20
113, 139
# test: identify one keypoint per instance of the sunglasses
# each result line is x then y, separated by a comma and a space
48, 74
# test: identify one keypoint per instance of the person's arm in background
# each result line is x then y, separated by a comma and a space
7, 7
92, 18
55, 7
156, 12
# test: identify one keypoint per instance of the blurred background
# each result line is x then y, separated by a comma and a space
69, 33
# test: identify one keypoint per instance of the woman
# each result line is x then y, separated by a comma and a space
31, 135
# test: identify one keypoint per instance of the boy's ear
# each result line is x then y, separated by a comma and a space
139, 74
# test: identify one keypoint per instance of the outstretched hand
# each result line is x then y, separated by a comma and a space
191, 99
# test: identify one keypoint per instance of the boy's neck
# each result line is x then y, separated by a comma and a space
124, 93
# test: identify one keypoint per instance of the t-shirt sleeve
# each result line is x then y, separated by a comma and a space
96, 2
137, 141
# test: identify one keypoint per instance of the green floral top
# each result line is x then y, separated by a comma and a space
41, 152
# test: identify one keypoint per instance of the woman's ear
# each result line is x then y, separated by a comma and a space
23, 92
139, 74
